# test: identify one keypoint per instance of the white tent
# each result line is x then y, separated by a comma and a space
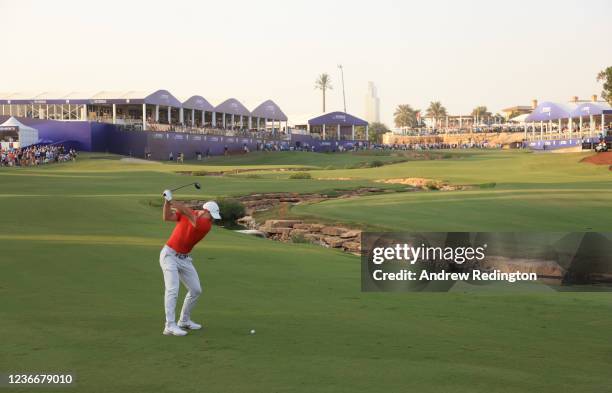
27, 135
520, 118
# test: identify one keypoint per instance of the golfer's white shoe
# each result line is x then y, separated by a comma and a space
189, 325
174, 330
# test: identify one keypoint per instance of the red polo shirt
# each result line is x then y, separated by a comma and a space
185, 236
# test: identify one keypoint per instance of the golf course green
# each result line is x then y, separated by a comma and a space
81, 288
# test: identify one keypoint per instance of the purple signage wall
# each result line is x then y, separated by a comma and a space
104, 137
307, 142
557, 144
75, 134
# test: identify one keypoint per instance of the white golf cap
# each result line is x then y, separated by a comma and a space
213, 209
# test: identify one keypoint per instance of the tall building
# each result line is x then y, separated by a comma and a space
372, 104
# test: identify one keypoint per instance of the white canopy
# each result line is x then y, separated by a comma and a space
27, 135
520, 118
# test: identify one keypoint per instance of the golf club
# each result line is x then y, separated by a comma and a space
197, 185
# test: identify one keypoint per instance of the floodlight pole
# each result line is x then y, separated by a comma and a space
343, 95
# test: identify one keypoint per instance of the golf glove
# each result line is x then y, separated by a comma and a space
167, 195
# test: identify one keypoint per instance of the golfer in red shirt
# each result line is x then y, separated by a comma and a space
176, 263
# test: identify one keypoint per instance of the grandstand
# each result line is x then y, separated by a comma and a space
576, 119
156, 111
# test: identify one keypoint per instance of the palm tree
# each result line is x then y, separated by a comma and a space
323, 83
436, 111
405, 117
479, 112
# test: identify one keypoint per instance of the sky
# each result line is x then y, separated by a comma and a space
464, 53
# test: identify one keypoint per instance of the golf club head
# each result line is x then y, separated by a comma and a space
197, 185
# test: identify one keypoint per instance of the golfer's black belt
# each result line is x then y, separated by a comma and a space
178, 254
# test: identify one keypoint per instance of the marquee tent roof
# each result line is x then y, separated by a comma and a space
198, 102
590, 108
12, 122
550, 111
27, 135
269, 110
335, 118
232, 106
520, 118
159, 97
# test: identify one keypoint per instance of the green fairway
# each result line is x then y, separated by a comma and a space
520, 191
81, 288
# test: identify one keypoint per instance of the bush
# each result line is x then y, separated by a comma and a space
432, 185
376, 163
231, 210
300, 175
488, 185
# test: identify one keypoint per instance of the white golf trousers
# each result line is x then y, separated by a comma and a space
178, 270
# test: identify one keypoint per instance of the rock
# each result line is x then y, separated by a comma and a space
246, 220
313, 236
281, 223
352, 246
302, 226
333, 231
540, 267
281, 231
351, 233
333, 241
289, 199
316, 227
298, 232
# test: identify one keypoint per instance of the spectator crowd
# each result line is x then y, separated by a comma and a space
36, 155
437, 146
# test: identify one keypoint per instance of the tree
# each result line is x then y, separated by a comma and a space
479, 112
605, 76
376, 131
436, 111
323, 83
499, 118
405, 117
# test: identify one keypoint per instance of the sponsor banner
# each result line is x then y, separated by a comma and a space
478, 261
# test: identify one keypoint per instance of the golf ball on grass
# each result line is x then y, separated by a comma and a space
252, 331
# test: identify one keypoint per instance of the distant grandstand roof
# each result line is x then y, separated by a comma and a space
198, 102
335, 118
269, 110
159, 97
232, 106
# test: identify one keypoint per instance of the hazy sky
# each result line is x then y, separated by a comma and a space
463, 53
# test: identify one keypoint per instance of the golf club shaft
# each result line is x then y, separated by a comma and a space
178, 188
